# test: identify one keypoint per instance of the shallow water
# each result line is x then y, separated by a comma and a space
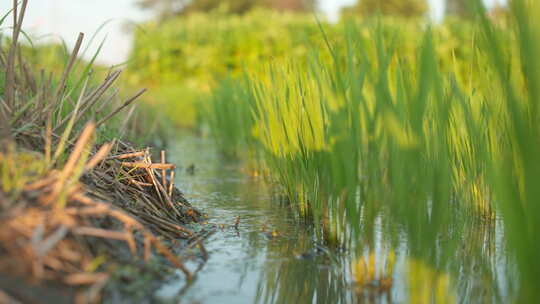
274, 258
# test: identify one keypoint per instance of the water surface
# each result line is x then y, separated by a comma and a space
273, 257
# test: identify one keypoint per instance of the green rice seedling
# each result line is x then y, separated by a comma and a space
229, 117
426, 133
514, 169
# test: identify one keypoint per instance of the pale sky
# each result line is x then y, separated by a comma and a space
66, 18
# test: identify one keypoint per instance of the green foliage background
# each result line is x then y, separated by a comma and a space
183, 59
408, 8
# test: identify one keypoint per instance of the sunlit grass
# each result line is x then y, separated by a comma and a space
428, 125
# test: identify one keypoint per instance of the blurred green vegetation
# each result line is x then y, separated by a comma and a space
409, 8
183, 59
170, 8
460, 8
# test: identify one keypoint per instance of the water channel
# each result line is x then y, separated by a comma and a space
273, 257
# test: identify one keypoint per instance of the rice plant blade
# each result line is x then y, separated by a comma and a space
62, 84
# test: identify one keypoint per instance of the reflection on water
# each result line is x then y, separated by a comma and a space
274, 258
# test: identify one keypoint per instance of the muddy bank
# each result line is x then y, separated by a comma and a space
110, 216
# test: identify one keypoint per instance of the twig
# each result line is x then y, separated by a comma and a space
171, 185
85, 278
69, 66
128, 155
147, 165
120, 108
102, 233
163, 171
173, 259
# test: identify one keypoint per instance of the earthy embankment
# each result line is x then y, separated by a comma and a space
73, 212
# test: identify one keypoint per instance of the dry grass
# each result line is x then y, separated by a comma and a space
60, 193
45, 222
